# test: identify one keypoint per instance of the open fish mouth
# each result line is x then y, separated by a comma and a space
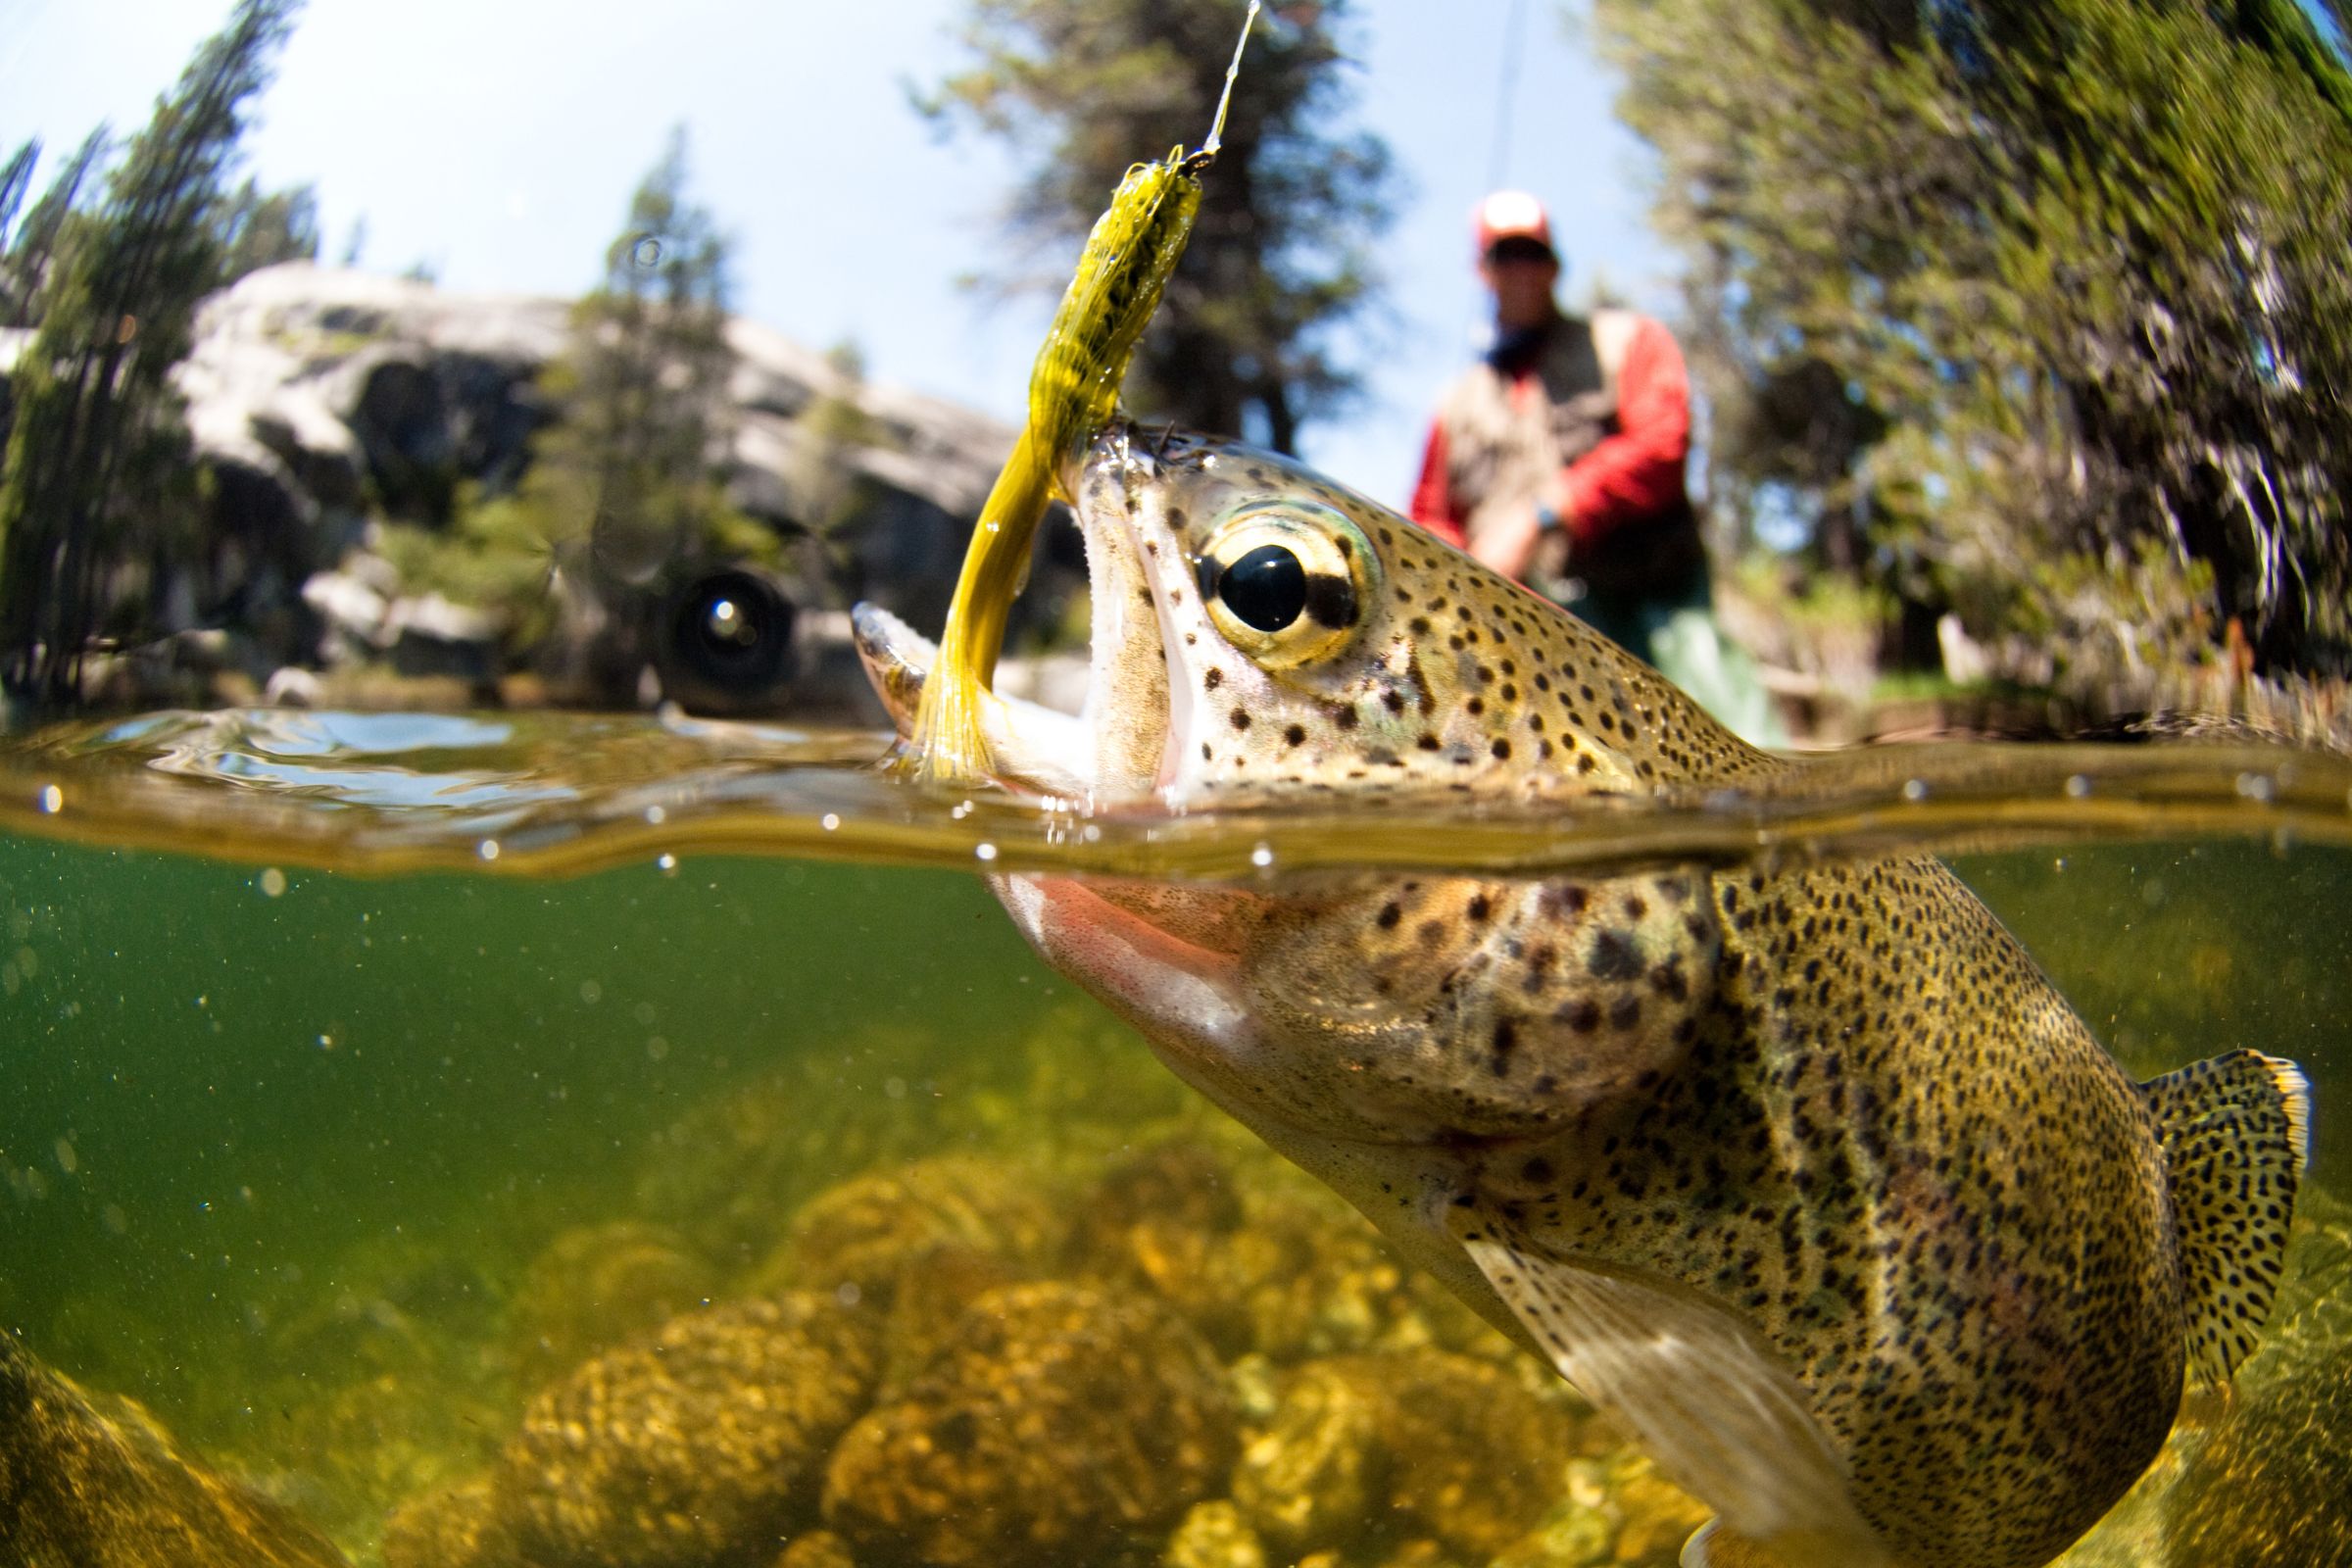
1121, 743
1032, 747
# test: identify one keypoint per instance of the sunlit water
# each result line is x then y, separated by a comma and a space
367, 1075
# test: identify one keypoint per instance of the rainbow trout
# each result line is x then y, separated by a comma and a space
1808, 1178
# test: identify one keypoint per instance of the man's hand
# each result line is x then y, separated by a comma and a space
1508, 544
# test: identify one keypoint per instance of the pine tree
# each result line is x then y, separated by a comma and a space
27, 249
645, 385
261, 228
98, 465
625, 495
1281, 255
2045, 302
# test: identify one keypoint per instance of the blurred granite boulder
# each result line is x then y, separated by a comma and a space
328, 403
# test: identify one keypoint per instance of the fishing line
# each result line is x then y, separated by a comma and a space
1233, 71
1506, 90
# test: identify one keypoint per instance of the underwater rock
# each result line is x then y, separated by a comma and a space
460, 1526
2267, 1489
1059, 1420
98, 1484
1458, 1448
595, 1284
1159, 1218
695, 1442
1616, 1509
1657, 1515
1421, 1554
1214, 1535
344, 1452
818, 1548
934, 1288
1311, 1279
1178, 1181
859, 1235
729, 1172
1263, 1261
1573, 1534
1309, 1478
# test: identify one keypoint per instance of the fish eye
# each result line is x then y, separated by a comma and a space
1286, 581
1267, 587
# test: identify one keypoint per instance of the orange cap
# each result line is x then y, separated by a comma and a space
1510, 215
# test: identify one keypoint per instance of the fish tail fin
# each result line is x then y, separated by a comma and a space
2235, 1132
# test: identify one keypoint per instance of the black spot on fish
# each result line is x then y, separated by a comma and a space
1241, 718
1389, 913
1295, 735
1560, 900
1505, 1041
1614, 957
1500, 750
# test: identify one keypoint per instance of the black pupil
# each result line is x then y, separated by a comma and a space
1265, 588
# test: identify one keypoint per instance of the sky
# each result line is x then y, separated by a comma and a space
498, 141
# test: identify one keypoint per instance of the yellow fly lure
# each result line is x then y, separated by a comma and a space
1073, 392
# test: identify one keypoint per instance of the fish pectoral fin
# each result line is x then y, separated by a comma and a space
1720, 1414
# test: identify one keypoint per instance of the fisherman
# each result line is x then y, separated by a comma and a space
1557, 460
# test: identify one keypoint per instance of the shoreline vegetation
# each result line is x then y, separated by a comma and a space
2027, 426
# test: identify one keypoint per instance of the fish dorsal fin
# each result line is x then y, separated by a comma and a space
1722, 1416
2235, 1131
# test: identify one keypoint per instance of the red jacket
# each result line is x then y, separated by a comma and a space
1634, 473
